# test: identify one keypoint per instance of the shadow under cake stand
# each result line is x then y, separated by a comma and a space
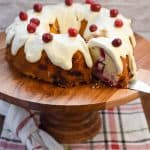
70, 115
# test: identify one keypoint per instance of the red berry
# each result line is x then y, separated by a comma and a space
100, 67
102, 53
47, 37
114, 12
118, 23
23, 16
37, 7
68, 2
31, 27
35, 21
89, 1
72, 32
93, 28
96, 7
116, 42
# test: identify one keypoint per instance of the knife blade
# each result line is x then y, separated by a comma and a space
140, 86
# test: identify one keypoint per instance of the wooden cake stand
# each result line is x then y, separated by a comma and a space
70, 115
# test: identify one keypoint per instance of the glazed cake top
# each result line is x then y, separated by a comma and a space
105, 28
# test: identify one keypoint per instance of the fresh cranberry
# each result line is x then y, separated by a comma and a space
31, 27
100, 67
72, 32
89, 1
47, 37
118, 23
96, 7
98, 70
107, 81
68, 2
114, 12
116, 42
23, 16
38, 7
93, 28
102, 53
35, 21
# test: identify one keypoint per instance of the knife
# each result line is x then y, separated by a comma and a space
140, 86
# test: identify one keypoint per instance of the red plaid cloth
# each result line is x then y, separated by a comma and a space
5, 144
123, 128
21, 131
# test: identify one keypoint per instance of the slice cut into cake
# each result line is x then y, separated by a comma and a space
71, 43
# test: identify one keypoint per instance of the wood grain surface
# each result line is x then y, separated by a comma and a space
30, 93
71, 127
143, 61
9, 9
68, 114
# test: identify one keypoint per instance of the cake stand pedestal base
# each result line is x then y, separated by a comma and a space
70, 128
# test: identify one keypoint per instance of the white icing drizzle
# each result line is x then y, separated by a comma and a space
61, 50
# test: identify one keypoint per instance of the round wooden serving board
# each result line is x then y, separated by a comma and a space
69, 114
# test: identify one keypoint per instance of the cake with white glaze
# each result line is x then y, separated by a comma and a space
72, 43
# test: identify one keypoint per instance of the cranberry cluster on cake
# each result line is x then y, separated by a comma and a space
72, 43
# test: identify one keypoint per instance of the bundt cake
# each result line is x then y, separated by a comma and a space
68, 44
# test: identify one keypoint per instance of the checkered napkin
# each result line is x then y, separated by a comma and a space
123, 128
21, 132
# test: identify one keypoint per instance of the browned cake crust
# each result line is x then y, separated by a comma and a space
126, 75
45, 70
